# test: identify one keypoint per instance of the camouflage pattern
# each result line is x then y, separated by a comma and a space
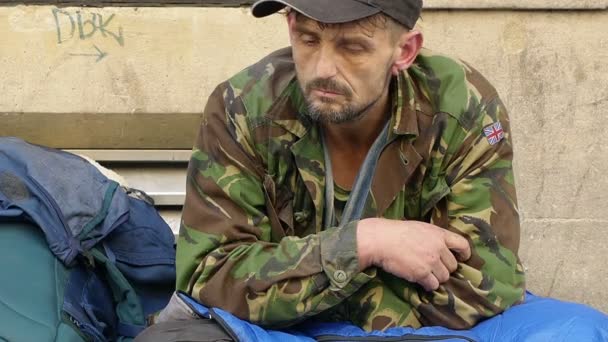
251, 240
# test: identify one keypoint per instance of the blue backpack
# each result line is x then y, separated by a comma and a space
101, 253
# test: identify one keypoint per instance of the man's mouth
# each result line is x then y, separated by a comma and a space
325, 92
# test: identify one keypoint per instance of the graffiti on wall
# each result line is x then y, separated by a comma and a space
87, 27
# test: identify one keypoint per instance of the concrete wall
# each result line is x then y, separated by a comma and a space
139, 77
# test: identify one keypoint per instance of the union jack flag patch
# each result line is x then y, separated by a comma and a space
494, 133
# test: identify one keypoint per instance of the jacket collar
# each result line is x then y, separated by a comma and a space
396, 164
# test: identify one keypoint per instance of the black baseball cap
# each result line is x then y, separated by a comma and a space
405, 12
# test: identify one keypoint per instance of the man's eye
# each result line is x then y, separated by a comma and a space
308, 40
355, 48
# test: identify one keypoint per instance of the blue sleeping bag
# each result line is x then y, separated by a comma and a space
537, 319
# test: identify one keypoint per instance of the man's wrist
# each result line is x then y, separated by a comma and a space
365, 243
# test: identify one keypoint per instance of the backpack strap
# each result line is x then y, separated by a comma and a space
101, 215
128, 307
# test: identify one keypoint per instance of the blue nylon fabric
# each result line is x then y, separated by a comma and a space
538, 319
345, 329
66, 196
58, 191
546, 319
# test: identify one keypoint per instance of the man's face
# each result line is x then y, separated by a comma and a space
342, 69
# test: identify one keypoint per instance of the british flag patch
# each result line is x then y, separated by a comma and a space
494, 133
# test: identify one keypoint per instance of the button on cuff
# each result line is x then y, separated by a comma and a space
340, 276
339, 255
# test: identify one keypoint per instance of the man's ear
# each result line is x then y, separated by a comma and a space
408, 47
291, 22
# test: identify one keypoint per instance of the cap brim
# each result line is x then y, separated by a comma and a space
340, 11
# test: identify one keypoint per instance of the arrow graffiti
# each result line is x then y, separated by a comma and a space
99, 54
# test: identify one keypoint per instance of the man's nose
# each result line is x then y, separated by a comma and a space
326, 65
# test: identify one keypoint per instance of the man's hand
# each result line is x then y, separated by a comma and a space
415, 251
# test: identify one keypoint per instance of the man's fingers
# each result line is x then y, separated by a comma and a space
459, 245
430, 282
448, 260
441, 273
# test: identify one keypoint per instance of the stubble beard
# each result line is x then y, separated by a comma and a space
345, 113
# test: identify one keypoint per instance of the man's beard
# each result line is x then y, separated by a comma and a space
347, 113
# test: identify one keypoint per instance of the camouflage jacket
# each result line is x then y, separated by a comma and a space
251, 238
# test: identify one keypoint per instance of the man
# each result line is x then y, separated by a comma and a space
353, 177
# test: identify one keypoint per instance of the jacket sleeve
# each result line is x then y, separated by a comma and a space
481, 205
225, 255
